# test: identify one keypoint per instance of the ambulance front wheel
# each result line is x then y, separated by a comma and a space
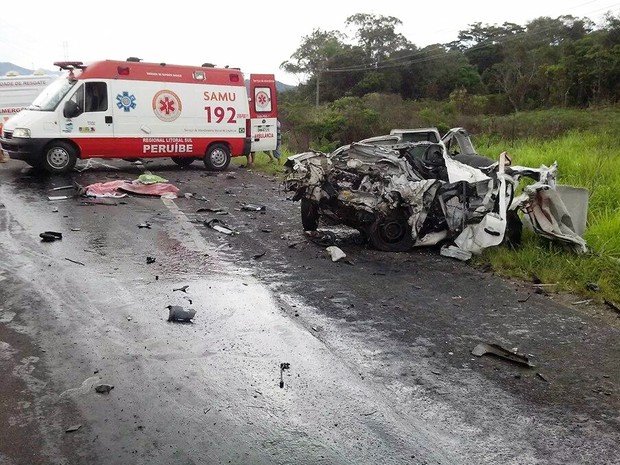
59, 157
217, 157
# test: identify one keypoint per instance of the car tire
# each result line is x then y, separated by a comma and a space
183, 161
217, 157
391, 233
309, 214
59, 157
514, 229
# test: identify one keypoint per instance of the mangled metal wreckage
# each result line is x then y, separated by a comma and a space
413, 194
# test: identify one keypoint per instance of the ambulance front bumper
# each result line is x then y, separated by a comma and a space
23, 149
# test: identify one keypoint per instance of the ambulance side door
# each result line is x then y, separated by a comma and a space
89, 120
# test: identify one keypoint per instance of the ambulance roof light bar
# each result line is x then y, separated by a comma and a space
70, 65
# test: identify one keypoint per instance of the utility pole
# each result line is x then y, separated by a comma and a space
318, 79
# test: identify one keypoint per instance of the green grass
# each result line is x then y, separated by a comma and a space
263, 164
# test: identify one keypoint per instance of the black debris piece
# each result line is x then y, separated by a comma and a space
322, 238
146, 225
494, 349
150, 260
104, 388
283, 366
50, 236
259, 255
180, 314
182, 288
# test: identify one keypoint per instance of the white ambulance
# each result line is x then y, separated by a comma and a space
17, 91
133, 110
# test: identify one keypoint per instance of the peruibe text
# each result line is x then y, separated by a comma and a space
167, 148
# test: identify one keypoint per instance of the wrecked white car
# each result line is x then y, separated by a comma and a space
401, 192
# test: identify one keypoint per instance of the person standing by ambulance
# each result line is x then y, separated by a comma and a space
277, 154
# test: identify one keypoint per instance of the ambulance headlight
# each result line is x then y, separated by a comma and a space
21, 132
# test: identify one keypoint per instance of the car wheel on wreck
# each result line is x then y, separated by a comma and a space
309, 214
391, 233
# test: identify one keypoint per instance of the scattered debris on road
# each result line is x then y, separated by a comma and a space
219, 226
283, 366
74, 261
253, 208
61, 188
150, 260
50, 236
104, 388
335, 253
209, 210
73, 428
146, 225
180, 314
495, 349
182, 288
259, 255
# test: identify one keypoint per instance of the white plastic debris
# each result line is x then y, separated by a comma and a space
455, 252
335, 253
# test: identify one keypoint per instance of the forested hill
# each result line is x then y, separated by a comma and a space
548, 62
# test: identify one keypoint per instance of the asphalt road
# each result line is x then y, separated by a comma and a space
291, 358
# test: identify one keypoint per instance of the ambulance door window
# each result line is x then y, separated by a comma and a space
262, 99
96, 96
78, 100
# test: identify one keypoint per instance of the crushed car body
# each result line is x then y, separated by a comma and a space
401, 192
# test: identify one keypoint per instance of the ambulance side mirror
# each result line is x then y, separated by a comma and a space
71, 109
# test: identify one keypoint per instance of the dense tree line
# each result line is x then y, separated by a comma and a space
561, 62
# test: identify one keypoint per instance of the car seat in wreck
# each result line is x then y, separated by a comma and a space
427, 160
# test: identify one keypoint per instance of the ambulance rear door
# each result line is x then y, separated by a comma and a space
263, 112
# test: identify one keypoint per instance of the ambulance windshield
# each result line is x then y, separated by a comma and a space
51, 96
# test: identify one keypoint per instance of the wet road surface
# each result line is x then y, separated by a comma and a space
379, 358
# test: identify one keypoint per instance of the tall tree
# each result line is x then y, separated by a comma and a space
483, 45
313, 56
377, 36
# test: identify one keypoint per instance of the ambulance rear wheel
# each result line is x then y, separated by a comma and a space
183, 161
217, 157
59, 157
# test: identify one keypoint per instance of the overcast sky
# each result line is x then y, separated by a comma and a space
256, 36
